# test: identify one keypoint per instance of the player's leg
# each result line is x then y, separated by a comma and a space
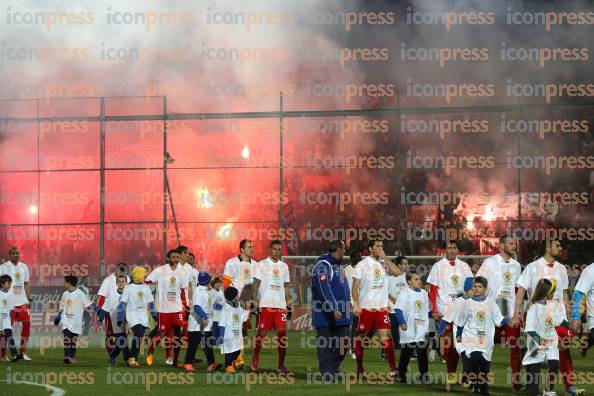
382, 323
177, 343
109, 337
265, 323
11, 345
342, 346
67, 339
405, 352
512, 342
364, 326
552, 375
119, 339
194, 338
324, 353
451, 356
207, 345
22, 315
280, 324
466, 369
137, 337
533, 378
229, 359
423, 361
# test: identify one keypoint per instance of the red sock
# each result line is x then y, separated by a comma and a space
566, 367
389, 352
450, 353
282, 347
25, 333
257, 346
359, 355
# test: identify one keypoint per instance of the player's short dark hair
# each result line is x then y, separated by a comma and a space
547, 243
503, 237
5, 278
371, 243
171, 251
334, 245
410, 274
355, 256
215, 279
450, 242
191, 254
13, 248
122, 276
276, 242
71, 279
182, 249
243, 243
399, 260
482, 280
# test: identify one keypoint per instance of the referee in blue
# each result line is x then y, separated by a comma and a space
331, 311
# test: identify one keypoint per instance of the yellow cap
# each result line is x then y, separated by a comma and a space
138, 274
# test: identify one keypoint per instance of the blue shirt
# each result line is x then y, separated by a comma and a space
330, 293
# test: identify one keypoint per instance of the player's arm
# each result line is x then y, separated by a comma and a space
288, 295
391, 268
356, 287
522, 284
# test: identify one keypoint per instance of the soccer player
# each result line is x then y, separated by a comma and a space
217, 297
478, 318
548, 267
239, 273
136, 302
542, 339
502, 273
186, 265
72, 305
412, 312
171, 283
200, 325
230, 336
447, 278
584, 287
19, 273
271, 282
370, 302
7, 315
110, 307
108, 285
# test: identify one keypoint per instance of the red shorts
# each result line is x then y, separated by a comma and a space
170, 320
272, 318
21, 313
373, 319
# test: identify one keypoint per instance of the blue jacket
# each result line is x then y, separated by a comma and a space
330, 293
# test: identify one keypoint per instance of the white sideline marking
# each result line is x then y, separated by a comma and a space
57, 391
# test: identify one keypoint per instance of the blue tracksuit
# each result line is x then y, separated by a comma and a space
330, 293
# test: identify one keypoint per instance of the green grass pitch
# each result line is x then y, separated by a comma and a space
93, 375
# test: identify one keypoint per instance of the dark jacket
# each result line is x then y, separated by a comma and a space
330, 293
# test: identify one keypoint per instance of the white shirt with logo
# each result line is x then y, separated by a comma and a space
202, 297
110, 284
415, 308
232, 319
112, 300
542, 319
479, 319
137, 298
449, 280
6, 305
216, 297
502, 279
19, 274
240, 272
373, 290
273, 277
169, 283
585, 285
539, 269
73, 305
396, 284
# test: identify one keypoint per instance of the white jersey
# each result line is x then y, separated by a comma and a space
539, 269
479, 319
449, 280
112, 300
542, 320
6, 305
396, 284
19, 274
373, 290
203, 298
586, 286
349, 272
502, 278
169, 284
273, 277
451, 316
191, 274
137, 298
73, 305
232, 319
240, 272
216, 297
415, 308
109, 284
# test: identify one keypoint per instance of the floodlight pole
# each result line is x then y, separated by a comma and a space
102, 188
280, 209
